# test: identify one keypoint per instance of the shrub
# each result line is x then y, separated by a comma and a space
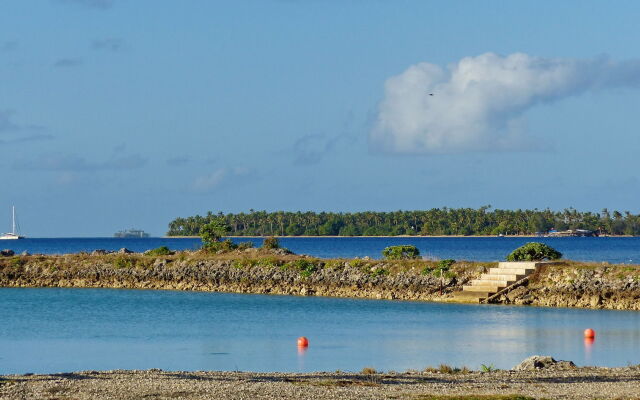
427, 270
222, 247
160, 251
213, 232
333, 264
368, 371
441, 270
445, 264
305, 267
244, 245
487, 368
123, 262
446, 369
244, 263
534, 251
403, 252
270, 243
378, 271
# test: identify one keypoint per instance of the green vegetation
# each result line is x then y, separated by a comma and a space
445, 264
213, 231
306, 267
127, 262
212, 234
441, 269
378, 271
160, 251
487, 368
403, 252
534, 251
17, 262
437, 221
270, 243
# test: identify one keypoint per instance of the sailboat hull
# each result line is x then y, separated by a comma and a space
9, 236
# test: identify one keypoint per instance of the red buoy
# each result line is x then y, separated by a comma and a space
589, 333
303, 342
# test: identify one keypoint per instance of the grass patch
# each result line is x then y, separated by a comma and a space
244, 263
17, 262
160, 251
447, 369
334, 264
473, 397
123, 262
487, 368
304, 266
378, 271
368, 371
269, 262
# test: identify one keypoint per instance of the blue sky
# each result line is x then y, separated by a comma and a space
117, 114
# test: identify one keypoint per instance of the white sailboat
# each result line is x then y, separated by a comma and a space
13, 234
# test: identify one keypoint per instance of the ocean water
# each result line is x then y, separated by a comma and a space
611, 249
62, 330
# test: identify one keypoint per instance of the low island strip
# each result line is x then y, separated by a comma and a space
562, 283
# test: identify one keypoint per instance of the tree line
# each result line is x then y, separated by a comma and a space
437, 221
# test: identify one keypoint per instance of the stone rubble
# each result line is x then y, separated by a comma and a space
547, 383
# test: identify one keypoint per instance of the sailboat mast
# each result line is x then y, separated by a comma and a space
13, 219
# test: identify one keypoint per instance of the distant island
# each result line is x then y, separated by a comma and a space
434, 222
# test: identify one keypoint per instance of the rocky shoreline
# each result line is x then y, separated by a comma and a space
572, 284
564, 284
542, 383
250, 271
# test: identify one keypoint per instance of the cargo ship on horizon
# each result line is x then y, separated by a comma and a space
131, 233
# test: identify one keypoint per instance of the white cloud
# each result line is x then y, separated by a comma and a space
479, 102
220, 177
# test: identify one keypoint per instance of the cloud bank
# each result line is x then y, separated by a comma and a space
11, 132
99, 4
477, 104
310, 149
7, 124
77, 163
9, 45
67, 62
108, 44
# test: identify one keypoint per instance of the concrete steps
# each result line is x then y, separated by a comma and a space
497, 279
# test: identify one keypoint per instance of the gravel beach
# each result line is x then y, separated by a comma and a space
574, 383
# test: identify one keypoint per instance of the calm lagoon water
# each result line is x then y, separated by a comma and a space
56, 330
611, 249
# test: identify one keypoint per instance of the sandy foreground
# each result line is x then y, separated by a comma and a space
577, 383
